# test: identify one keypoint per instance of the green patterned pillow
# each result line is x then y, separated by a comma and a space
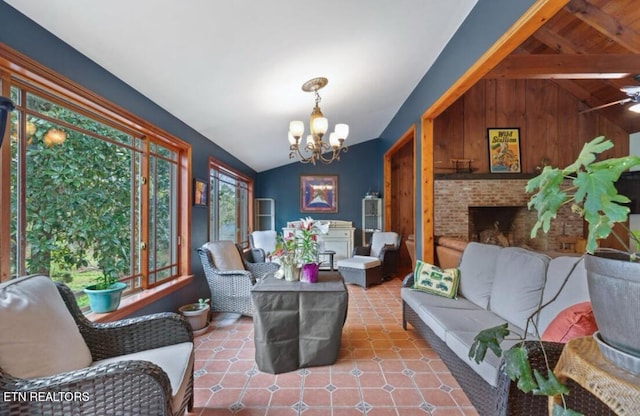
432, 279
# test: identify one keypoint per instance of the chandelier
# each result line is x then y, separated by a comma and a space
315, 149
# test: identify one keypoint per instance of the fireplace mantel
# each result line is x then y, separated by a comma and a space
483, 176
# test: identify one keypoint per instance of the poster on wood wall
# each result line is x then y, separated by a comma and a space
504, 149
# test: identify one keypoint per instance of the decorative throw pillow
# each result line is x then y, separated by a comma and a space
573, 322
432, 279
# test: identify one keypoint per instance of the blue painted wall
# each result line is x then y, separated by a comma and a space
359, 171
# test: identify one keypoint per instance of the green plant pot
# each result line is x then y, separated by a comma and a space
105, 300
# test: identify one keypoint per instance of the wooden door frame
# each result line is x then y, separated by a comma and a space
534, 18
407, 136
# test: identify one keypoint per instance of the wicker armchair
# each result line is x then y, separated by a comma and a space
120, 376
230, 276
384, 246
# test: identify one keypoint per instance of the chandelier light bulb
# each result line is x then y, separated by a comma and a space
342, 131
296, 128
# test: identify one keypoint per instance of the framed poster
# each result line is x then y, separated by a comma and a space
504, 149
319, 193
200, 193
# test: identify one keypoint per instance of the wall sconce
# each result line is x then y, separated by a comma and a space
6, 106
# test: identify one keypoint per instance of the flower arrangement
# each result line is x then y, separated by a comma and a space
300, 247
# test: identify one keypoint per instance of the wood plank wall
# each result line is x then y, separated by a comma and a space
548, 117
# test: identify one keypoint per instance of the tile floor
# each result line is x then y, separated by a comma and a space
381, 370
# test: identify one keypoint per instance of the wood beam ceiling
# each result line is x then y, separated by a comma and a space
561, 66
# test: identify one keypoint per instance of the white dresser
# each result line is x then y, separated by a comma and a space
339, 238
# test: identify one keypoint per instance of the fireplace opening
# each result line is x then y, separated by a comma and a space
503, 226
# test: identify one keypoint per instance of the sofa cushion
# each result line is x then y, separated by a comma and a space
432, 279
176, 360
517, 286
576, 289
39, 336
459, 341
477, 268
575, 321
442, 320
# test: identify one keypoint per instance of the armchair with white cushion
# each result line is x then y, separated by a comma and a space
384, 246
54, 361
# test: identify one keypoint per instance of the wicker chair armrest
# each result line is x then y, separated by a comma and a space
387, 251
408, 280
125, 387
362, 250
259, 270
127, 336
510, 398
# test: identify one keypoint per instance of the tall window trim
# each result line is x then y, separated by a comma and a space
243, 211
18, 70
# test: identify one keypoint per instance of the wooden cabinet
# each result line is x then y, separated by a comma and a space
338, 239
264, 214
371, 218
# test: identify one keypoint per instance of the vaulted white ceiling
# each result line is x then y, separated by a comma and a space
233, 70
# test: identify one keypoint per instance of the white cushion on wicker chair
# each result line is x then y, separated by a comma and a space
265, 240
225, 255
39, 336
379, 239
175, 360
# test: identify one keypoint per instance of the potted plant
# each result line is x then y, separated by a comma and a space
588, 185
197, 314
285, 254
105, 294
307, 247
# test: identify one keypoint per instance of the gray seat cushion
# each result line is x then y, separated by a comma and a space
460, 341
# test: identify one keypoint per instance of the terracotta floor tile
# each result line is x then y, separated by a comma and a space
381, 370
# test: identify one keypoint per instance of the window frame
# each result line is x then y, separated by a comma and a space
16, 69
227, 170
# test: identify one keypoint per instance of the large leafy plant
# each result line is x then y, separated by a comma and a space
591, 193
589, 186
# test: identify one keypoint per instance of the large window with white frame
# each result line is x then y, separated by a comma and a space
91, 192
230, 209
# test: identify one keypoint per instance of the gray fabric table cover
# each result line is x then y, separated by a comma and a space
298, 324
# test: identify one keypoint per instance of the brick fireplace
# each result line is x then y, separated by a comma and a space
464, 208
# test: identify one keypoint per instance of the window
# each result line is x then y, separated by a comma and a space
92, 191
230, 208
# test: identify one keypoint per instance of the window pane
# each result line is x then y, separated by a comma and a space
229, 205
78, 195
162, 218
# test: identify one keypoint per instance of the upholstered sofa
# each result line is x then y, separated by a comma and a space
497, 285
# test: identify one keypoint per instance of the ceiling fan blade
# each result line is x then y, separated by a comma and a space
631, 90
624, 100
